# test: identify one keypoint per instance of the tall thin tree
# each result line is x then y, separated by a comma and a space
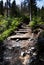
32, 8
7, 8
30, 11
1, 8
13, 8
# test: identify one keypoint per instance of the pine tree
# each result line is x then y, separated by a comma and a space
32, 8
42, 14
1, 8
31, 5
6, 6
13, 9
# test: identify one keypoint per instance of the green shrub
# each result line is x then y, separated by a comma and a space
12, 25
5, 34
39, 21
36, 21
3, 25
32, 23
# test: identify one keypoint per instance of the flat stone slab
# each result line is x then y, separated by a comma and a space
25, 29
21, 36
21, 31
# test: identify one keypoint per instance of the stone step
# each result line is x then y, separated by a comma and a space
26, 30
25, 27
21, 36
21, 31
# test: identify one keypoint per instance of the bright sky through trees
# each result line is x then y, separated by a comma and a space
39, 3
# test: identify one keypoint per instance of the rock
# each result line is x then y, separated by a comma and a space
17, 40
25, 59
22, 53
9, 47
32, 48
34, 54
7, 58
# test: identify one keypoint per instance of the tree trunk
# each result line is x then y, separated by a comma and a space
7, 8
30, 11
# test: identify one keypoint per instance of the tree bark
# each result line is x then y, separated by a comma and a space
30, 11
7, 8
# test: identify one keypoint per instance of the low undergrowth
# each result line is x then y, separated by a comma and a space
7, 26
36, 22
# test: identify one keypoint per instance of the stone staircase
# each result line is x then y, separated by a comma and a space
20, 47
22, 33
